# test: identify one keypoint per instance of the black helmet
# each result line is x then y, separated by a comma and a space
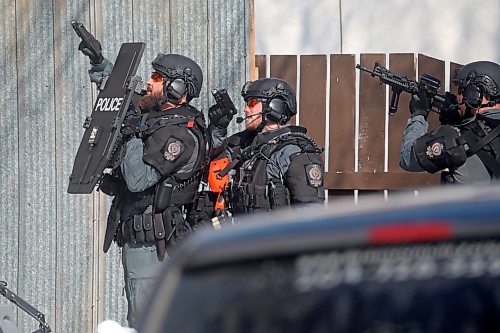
477, 79
184, 74
277, 97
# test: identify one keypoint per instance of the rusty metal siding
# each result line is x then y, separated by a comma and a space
228, 26
37, 170
74, 223
50, 241
9, 149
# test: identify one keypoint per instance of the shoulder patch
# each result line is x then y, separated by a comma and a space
173, 149
314, 175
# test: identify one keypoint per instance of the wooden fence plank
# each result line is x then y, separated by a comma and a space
342, 113
260, 63
379, 180
313, 96
285, 67
403, 64
453, 68
372, 109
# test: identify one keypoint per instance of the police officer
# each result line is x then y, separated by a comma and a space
467, 144
156, 180
279, 165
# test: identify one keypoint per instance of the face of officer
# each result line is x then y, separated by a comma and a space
467, 111
155, 93
253, 114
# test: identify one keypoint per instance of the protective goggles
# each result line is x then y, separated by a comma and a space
156, 77
252, 102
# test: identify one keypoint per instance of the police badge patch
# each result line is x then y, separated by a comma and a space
173, 149
435, 150
314, 175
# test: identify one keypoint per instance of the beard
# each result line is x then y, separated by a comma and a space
150, 102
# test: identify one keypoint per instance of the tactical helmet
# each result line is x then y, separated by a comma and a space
277, 97
184, 74
477, 79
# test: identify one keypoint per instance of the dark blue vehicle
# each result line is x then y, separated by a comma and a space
429, 263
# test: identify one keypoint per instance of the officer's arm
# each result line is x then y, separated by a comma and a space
280, 161
416, 127
171, 149
98, 73
304, 179
138, 175
219, 136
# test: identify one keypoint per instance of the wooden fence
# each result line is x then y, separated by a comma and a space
346, 111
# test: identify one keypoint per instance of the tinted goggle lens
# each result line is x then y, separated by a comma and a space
156, 77
252, 102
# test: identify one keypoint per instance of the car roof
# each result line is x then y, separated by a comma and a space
436, 214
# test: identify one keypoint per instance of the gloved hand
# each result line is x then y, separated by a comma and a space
131, 123
111, 184
96, 57
450, 114
419, 105
219, 118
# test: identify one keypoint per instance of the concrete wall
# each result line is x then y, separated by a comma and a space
459, 31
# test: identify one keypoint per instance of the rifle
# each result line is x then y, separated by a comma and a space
26, 307
224, 101
399, 83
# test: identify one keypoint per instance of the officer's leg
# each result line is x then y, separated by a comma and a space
142, 268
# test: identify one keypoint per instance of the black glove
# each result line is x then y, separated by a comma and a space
131, 123
449, 113
219, 118
419, 105
111, 184
96, 57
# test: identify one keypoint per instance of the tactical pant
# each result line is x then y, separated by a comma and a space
141, 269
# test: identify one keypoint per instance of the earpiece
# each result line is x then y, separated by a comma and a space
276, 111
472, 96
176, 89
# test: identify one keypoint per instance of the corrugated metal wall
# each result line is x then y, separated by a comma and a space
50, 241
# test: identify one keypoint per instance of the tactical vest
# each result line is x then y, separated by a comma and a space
157, 214
254, 191
482, 138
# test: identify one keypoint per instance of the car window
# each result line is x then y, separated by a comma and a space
433, 287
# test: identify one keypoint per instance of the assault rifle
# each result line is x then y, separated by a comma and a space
399, 83
26, 307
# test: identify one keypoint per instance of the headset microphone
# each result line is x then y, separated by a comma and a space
239, 120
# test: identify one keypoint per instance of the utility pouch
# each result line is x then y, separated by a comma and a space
147, 225
279, 196
137, 226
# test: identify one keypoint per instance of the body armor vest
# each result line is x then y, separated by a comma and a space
157, 214
482, 138
255, 191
